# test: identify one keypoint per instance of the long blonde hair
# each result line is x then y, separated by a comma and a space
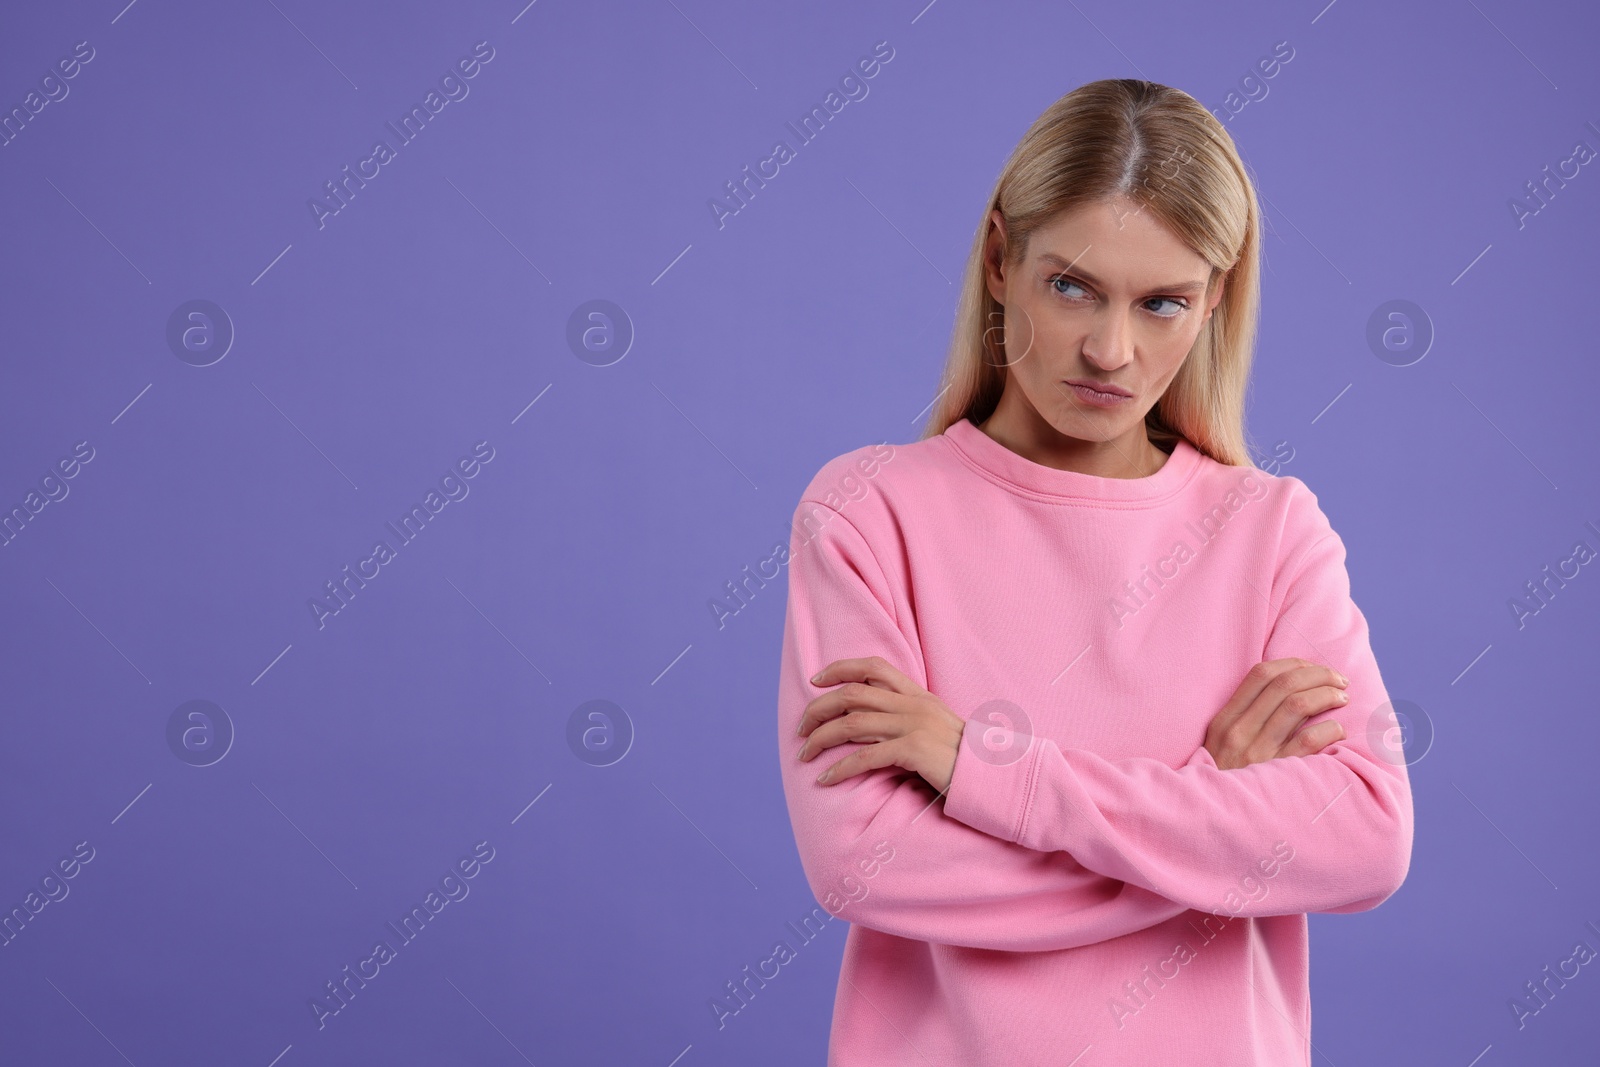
1162, 149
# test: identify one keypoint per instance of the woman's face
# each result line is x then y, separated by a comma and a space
1106, 296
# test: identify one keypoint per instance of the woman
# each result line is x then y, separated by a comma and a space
1007, 645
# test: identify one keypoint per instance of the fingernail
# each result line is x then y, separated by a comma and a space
801, 755
798, 730
815, 678
1342, 679
823, 777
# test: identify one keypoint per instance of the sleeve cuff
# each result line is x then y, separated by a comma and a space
992, 783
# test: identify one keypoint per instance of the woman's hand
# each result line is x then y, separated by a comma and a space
1270, 704
912, 727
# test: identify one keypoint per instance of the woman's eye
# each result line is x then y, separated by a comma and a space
1061, 284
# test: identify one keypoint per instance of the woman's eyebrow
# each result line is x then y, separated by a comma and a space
1176, 287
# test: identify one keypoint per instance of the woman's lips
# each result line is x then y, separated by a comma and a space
1098, 397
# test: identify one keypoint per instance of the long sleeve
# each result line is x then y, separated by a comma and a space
876, 848
1330, 832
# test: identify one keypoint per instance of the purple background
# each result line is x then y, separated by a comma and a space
371, 353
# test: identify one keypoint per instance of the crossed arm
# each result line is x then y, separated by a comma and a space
1061, 847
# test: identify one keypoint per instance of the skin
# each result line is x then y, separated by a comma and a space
1106, 293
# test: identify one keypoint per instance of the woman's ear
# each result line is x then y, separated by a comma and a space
994, 257
1216, 297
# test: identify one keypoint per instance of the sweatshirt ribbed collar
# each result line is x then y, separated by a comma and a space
1006, 468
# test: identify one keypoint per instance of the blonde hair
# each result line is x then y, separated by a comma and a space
1160, 148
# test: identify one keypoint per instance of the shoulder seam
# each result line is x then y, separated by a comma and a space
1293, 565
894, 609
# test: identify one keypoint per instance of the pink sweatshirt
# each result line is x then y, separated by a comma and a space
1092, 889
